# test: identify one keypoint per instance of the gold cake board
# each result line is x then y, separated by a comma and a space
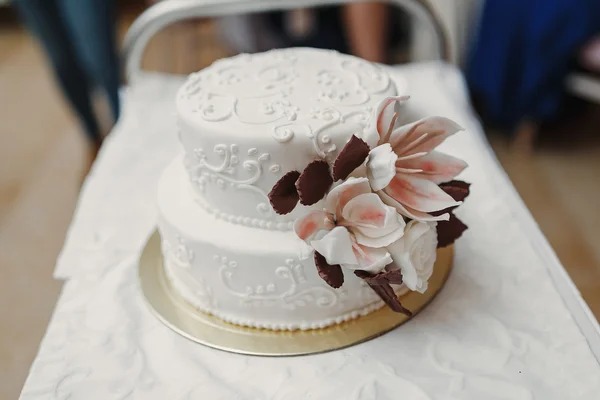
176, 313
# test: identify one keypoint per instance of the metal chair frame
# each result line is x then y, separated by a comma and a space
164, 13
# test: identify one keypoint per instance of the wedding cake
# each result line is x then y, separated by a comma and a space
299, 201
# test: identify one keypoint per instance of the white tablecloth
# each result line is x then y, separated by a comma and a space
508, 325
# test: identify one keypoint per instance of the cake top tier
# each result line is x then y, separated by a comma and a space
245, 121
271, 93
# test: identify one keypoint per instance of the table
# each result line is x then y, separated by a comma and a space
508, 325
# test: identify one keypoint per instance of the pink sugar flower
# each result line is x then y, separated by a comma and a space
354, 228
403, 167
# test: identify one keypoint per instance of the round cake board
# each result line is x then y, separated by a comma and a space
176, 313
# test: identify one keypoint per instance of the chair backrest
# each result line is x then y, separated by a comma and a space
167, 12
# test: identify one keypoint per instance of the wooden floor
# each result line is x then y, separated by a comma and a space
44, 159
561, 190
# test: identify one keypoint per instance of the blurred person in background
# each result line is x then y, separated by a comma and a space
364, 29
367, 30
360, 29
79, 38
522, 54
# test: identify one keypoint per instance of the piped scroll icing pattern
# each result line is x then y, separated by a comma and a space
214, 93
331, 117
179, 258
227, 173
179, 253
284, 290
272, 95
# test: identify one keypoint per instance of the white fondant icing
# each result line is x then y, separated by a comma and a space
226, 174
248, 276
283, 109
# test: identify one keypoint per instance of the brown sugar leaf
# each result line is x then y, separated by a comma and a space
351, 157
394, 277
458, 190
390, 299
284, 196
380, 283
449, 231
332, 274
314, 182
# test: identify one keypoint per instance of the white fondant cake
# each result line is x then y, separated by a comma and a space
237, 243
247, 120
248, 276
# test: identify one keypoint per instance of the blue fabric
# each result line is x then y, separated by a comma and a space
79, 37
522, 53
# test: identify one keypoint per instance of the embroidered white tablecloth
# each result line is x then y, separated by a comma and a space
508, 325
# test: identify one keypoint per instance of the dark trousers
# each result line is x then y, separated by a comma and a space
79, 37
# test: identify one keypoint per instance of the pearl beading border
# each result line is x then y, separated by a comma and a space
246, 221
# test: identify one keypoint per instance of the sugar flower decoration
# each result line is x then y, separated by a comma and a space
415, 254
354, 228
403, 167
388, 204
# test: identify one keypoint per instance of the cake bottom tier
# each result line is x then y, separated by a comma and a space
248, 276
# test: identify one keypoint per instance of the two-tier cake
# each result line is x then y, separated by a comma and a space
299, 202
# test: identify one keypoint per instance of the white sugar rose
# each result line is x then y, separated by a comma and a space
415, 254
